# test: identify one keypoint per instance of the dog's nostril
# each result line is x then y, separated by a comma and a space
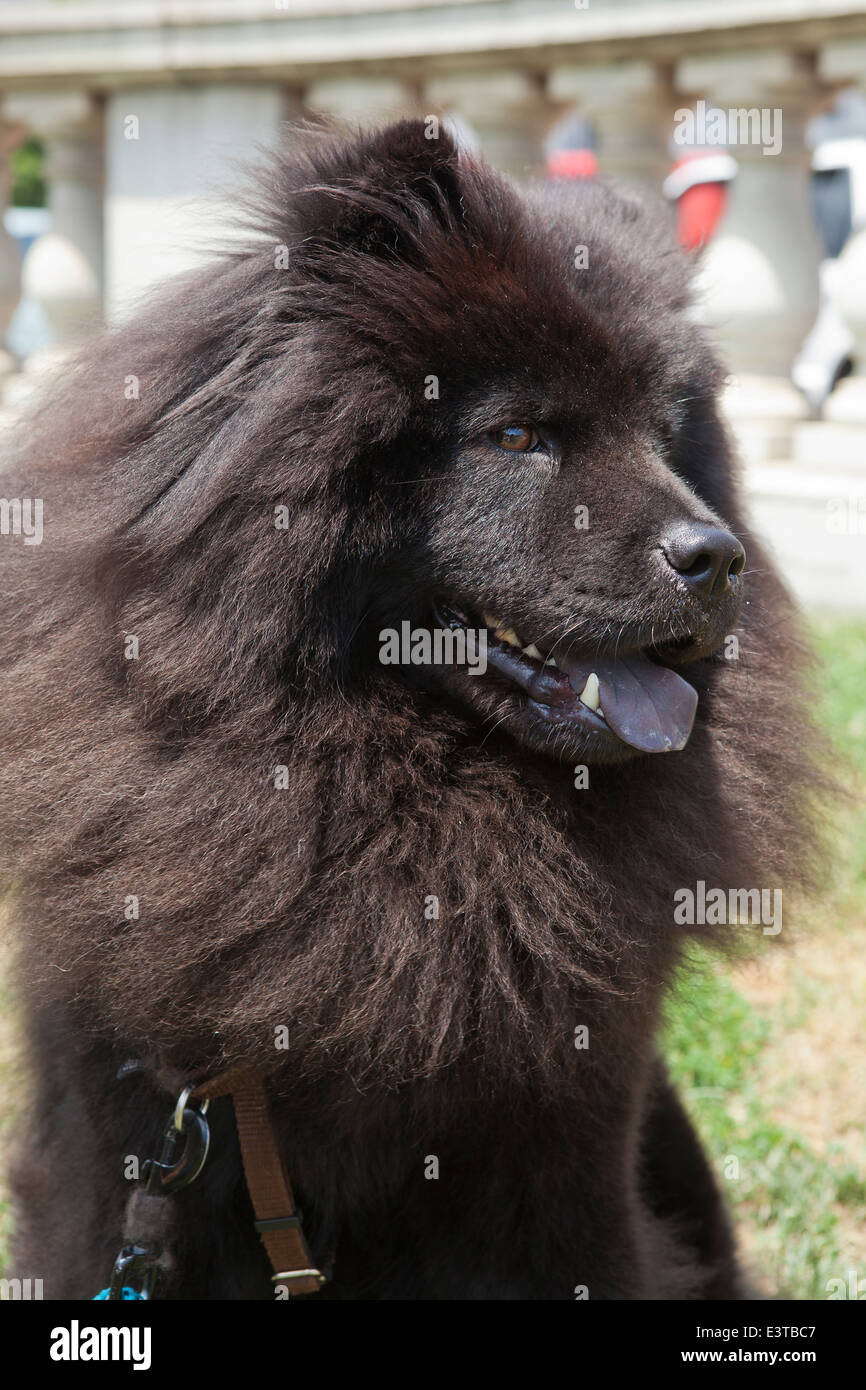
737, 564
699, 566
707, 558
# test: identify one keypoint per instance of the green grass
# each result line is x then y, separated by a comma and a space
799, 1205
841, 646
787, 1194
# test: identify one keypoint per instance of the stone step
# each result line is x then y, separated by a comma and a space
823, 445
815, 524
762, 412
762, 441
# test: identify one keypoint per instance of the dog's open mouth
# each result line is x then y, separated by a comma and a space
642, 703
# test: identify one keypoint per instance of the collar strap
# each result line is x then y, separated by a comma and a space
277, 1220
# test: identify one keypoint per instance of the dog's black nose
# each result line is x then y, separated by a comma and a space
706, 557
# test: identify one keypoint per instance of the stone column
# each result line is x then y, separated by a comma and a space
759, 276
760, 270
508, 111
63, 268
176, 161
631, 106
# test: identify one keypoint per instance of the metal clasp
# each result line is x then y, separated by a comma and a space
172, 1171
133, 1275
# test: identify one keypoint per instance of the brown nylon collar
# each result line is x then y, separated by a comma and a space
277, 1220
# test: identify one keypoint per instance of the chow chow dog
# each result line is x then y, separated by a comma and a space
432, 901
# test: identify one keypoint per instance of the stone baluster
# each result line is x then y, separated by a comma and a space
844, 64
11, 134
63, 268
759, 276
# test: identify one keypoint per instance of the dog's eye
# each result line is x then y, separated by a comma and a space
518, 439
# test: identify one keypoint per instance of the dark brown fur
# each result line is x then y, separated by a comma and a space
257, 647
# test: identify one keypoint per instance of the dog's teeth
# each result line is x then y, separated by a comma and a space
550, 662
532, 651
589, 695
490, 622
507, 634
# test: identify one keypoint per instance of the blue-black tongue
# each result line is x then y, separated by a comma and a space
649, 707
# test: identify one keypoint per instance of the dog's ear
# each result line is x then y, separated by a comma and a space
382, 193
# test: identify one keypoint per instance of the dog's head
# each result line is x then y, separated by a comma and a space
486, 413
555, 483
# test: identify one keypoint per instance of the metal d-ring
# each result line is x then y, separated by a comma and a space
181, 1106
170, 1172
